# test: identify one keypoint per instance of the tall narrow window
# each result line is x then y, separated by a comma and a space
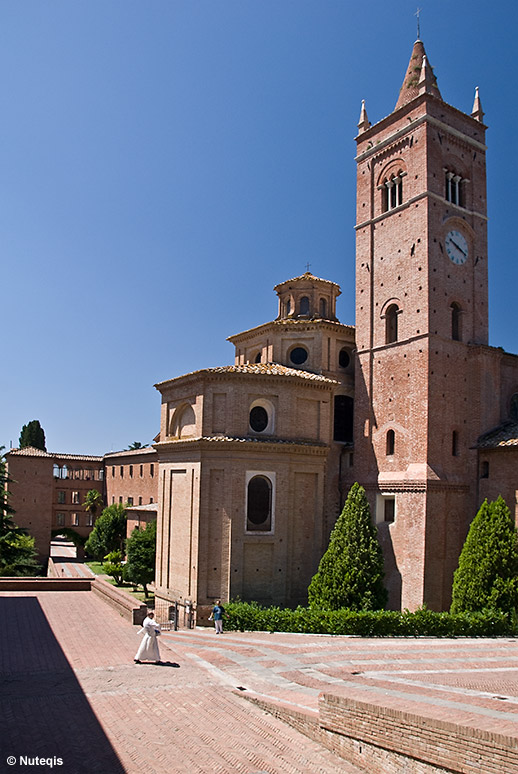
392, 192
389, 512
259, 505
304, 305
323, 308
453, 184
455, 444
390, 443
343, 419
513, 408
456, 314
391, 332
484, 469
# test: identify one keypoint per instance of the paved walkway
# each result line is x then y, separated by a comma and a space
70, 690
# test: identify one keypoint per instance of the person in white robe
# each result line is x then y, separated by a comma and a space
148, 650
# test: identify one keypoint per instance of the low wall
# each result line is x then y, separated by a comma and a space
386, 740
45, 584
124, 603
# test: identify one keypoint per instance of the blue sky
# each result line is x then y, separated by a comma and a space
165, 163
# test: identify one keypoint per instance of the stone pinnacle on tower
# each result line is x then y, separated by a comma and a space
477, 111
418, 79
363, 123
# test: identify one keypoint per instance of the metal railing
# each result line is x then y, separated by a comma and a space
174, 615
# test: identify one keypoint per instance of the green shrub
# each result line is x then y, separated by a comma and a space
249, 616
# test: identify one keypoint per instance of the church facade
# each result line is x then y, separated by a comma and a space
255, 459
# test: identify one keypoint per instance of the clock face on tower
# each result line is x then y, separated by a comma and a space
456, 247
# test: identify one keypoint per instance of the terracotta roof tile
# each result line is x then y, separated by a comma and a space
30, 451
255, 369
500, 437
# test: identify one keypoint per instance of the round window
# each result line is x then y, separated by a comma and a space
298, 355
344, 358
258, 419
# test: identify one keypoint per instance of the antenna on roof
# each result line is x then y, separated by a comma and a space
418, 23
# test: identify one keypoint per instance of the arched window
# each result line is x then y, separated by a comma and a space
323, 308
304, 305
259, 504
288, 306
513, 407
391, 316
454, 188
392, 192
183, 423
391, 438
456, 315
343, 419
257, 358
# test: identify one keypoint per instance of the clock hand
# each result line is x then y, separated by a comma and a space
458, 247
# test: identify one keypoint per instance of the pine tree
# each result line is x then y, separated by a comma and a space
350, 574
488, 564
33, 435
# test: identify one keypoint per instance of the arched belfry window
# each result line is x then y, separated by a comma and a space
259, 504
391, 324
392, 191
391, 440
304, 305
456, 316
454, 188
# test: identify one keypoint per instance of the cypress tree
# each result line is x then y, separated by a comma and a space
350, 574
488, 564
32, 435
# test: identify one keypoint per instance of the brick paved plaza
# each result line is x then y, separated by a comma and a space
71, 690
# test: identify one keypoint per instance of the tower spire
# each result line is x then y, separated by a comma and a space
477, 111
413, 83
363, 123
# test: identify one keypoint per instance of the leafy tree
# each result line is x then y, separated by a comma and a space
135, 445
93, 503
488, 564
141, 556
18, 555
32, 435
350, 574
114, 566
109, 532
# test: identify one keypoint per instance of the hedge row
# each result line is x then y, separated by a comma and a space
244, 616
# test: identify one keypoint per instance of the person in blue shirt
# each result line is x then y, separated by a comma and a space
218, 611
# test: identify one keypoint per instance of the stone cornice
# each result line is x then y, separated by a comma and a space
308, 325
411, 127
223, 444
417, 198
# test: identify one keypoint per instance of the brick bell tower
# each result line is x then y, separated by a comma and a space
421, 330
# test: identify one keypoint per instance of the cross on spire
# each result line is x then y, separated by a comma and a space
418, 23
308, 266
